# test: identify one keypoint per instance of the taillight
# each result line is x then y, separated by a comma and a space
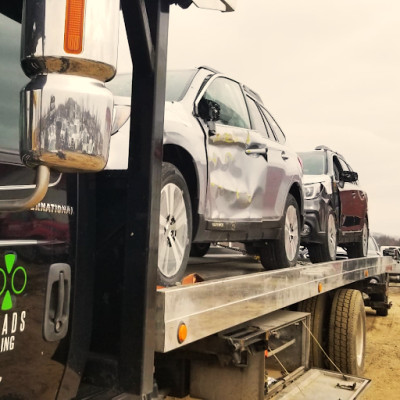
73, 34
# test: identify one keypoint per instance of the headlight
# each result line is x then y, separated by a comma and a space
312, 190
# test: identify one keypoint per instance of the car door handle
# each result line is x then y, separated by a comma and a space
284, 156
258, 152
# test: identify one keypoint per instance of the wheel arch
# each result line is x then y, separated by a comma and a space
297, 193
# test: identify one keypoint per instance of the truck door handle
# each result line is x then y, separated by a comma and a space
258, 152
353, 194
56, 312
284, 156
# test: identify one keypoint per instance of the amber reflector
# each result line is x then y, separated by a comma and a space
182, 332
73, 35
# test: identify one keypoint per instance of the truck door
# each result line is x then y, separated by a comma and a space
35, 273
35, 287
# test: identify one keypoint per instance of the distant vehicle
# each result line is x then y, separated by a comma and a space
336, 208
227, 173
393, 251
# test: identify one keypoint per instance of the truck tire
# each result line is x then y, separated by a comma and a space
318, 307
199, 249
325, 251
175, 226
359, 249
283, 253
347, 331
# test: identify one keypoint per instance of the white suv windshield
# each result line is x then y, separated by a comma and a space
178, 83
314, 163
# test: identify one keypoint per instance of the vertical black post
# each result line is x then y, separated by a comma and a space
147, 28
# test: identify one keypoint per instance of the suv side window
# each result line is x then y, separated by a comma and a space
257, 120
280, 136
228, 94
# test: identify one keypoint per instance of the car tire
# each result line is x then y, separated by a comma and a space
283, 253
347, 332
175, 229
199, 249
326, 251
359, 249
251, 249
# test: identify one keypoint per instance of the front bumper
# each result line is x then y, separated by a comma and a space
315, 211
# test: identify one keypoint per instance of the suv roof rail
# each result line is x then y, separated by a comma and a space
322, 147
209, 68
246, 88
326, 148
253, 93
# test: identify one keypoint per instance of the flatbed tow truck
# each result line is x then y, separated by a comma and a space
80, 314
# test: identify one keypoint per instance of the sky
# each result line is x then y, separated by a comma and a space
328, 71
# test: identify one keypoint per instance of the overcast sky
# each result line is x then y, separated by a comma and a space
329, 72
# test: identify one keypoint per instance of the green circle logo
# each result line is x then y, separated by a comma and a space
14, 277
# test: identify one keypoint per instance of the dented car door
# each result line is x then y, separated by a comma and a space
237, 157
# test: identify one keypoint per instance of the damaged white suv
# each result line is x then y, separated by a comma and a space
227, 174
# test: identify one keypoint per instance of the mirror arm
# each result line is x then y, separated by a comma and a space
26, 203
211, 128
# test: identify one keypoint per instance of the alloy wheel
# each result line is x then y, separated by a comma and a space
331, 236
291, 232
173, 232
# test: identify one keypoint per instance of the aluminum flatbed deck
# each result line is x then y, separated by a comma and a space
225, 301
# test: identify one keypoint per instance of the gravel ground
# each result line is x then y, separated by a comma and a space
383, 351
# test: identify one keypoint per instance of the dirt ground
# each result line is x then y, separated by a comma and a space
383, 351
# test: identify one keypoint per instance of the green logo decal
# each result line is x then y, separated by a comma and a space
16, 279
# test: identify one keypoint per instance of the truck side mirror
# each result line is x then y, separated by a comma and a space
221, 5
348, 176
66, 110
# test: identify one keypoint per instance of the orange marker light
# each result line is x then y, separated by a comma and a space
73, 34
319, 287
366, 273
182, 332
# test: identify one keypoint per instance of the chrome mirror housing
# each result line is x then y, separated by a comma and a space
68, 50
66, 123
72, 37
